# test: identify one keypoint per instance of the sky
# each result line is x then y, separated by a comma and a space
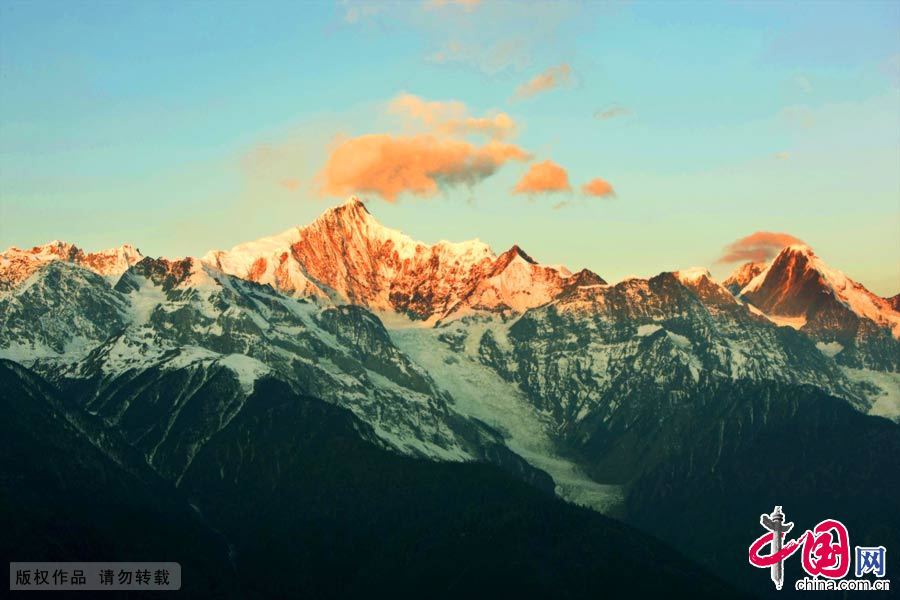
627, 138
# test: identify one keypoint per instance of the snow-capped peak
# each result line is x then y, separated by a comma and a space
346, 255
112, 261
799, 248
798, 281
17, 264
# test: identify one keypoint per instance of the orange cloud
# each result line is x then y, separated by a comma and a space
598, 187
391, 165
451, 117
542, 178
549, 79
757, 247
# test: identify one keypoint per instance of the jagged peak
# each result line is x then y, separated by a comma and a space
352, 207
177, 272
784, 262
55, 244
632, 277
798, 248
515, 250
789, 254
586, 277
354, 202
507, 258
745, 269
53, 247
353, 215
796, 268
693, 275
743, 275
126, 249
126, 254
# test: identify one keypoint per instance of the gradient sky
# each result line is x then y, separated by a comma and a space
182, 127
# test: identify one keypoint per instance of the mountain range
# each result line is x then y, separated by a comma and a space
225, 378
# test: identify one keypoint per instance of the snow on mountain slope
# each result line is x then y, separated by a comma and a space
516, 283
346, 256
58, 313
269, 261
340, 354
581, 357
16, 265
884, 389
741, 276
479, 393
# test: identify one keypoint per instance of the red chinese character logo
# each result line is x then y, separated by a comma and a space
826, 548
823, 554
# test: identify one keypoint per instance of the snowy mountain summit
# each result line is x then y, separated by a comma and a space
799, 290
17, 265
347, 256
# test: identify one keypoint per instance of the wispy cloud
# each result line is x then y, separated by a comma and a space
389, 165
451, 117
612, 111
492, 37
543, 178
783, 155
757, 247
491, 57
553, 77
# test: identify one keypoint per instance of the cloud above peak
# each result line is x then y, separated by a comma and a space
757, 247
543, 178
434, 150
389, 165
553, 77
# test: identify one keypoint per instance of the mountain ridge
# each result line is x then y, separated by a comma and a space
448, 353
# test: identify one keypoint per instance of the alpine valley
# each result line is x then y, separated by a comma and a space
340, 410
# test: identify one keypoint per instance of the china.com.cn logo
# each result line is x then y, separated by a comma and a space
825, 553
